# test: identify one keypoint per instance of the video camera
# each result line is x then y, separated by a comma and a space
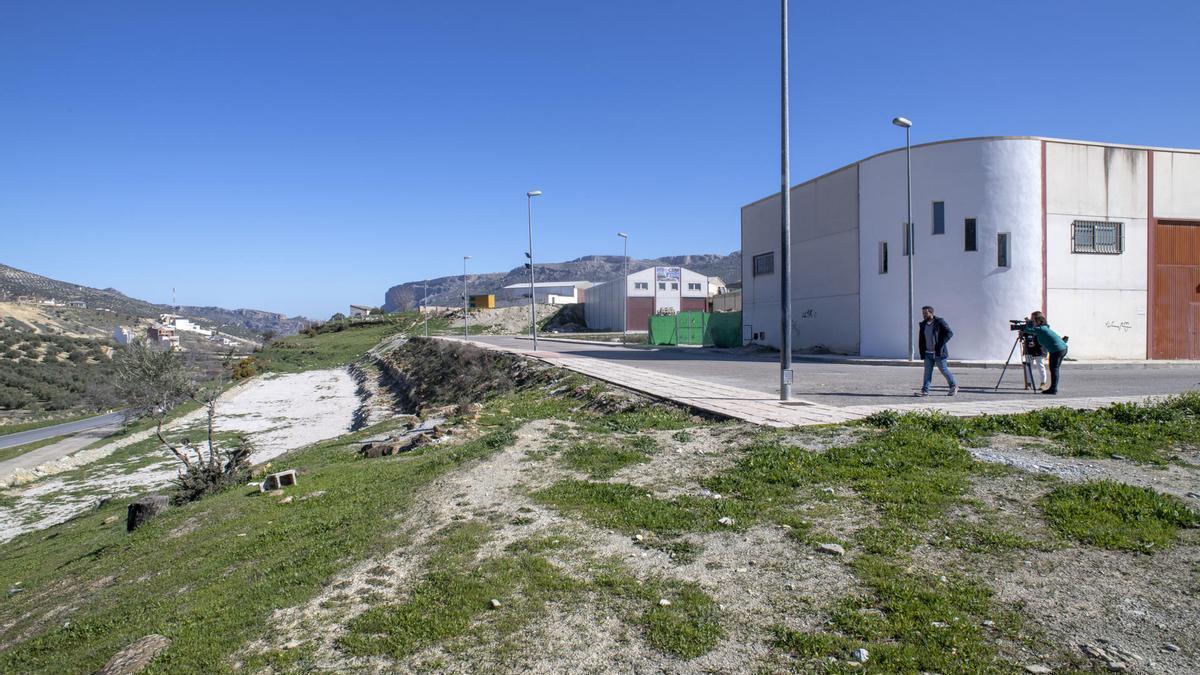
1017, 324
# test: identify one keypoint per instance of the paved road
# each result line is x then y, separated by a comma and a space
34, 435
77, 441
838, 384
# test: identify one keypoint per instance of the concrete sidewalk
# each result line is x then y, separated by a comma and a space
758, 408
763, 354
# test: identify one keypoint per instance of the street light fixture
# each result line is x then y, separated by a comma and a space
532, 286
909, 233
625, 289
785, 225
466, 316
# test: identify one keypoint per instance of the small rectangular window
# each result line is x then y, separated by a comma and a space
764, 263
693, 287
906, 232
662, 285
939, 217
1002, 249
641, 285
969, 235
883, 261
1097, 237
674, 285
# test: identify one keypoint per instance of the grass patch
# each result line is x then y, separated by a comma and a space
298, 353
602, 460
909, 623
687, 627
1117, 516
454, 598
208, 575
1143, 432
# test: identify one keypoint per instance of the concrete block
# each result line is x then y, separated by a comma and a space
278, 481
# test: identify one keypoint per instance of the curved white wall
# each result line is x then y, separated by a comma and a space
997, 182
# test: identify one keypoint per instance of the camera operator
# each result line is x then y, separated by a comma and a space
1035, 357
1053, 345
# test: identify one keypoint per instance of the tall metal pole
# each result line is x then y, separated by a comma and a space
912, 249
625, 290
425, 307
532, 285
466, 316
785, 268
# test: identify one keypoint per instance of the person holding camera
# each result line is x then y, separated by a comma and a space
1054, 346
932, 335
1035, 359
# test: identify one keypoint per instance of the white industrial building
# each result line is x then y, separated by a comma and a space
1104, 238
546, 292
654, 289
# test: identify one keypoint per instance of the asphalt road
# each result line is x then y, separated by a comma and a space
34, 435
844, 384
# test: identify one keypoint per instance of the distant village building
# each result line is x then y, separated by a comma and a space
122, 335
77, 304
360, 310
651, 291
180, 323
164, 336
546, 292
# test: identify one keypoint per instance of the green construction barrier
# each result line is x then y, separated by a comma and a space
724, 329
662, 331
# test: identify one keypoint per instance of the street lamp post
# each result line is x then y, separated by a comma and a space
624, 289
466, 316
785, 268
532, 285
909, 232
425, 307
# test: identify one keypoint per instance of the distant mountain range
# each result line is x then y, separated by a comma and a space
15, 283
447, 291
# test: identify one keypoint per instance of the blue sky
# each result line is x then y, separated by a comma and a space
299, 156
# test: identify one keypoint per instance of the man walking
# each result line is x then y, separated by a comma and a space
933, 333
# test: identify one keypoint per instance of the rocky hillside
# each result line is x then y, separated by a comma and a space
594, 268
15, 283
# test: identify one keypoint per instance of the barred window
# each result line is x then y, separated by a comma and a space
764, 264
1097, 237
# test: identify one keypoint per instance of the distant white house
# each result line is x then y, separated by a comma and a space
77, 304
180, 323
123, 335
360, 310
547, 292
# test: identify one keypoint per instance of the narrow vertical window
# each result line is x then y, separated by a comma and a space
1002, 249
906, 232
883, 261
969, 235
939, 217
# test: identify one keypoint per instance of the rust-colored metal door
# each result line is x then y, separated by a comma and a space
1195, 331
1176, 290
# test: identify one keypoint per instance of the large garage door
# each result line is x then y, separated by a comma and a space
1176, 298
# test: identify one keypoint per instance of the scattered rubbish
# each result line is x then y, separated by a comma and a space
726, 521
495, 603
663, 602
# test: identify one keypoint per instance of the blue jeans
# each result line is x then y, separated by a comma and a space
930, 360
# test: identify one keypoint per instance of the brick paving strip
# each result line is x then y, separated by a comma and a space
764, 410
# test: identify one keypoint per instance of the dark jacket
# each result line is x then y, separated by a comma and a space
941, 335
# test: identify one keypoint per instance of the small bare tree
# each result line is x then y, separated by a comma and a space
152, 382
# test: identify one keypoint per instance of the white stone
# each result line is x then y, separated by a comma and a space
831, 549
861, 655
663, 602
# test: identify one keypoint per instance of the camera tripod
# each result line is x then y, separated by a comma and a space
1026, 367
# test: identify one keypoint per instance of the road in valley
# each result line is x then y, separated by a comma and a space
34, 435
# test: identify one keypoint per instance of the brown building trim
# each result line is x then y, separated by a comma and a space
1151, 271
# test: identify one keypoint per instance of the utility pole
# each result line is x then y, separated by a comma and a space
532, 285
625, 290
425, 307
785, 267
910, 237
466, 316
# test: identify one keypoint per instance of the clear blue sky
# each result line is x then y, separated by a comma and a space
299, 156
